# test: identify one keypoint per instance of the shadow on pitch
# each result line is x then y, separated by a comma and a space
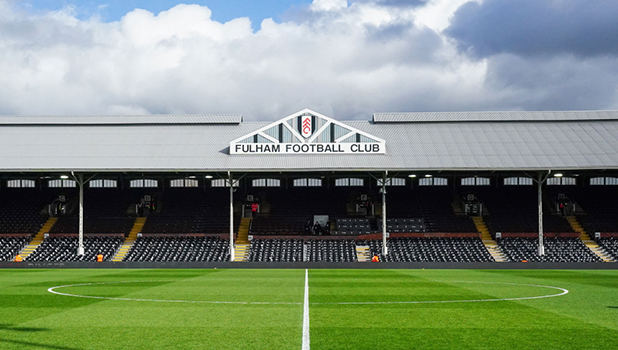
612, 307
10, 327
36, 345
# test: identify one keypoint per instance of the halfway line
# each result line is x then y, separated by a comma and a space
306, 314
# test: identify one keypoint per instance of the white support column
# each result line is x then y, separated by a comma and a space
231, 183
80, 183
384, 247
540, 198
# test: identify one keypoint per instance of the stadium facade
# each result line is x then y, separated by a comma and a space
417, 148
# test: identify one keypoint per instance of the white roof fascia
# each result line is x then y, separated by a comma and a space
345, 136
298, 136
266, 136
319, 131
264, 128
294, 132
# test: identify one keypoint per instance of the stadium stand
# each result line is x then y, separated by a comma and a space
11, 245
514, 209
289, 210
403, 225
432, 204
279, 225
22, 210
105, 211
179, 249
599, 205
331, 250
276, 250
190, 210
65, 248
94, 225
610, 245
352, 226
335, 171
417, 210
556, 250
407, 249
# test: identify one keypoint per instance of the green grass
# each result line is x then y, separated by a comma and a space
33, 318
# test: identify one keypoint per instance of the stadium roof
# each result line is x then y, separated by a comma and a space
542, 116
157, 119
414, 141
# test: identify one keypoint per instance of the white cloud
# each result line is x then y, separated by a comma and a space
344, 60
437, 13
328, 5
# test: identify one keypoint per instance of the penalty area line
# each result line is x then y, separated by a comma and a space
306, 339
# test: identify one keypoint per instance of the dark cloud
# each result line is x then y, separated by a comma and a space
563, 82
582, 28
388, 32
403, 44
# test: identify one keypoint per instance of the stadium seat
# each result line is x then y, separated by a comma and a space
276, 250
11, 246
556, 250
179, 249
65, 249
432, 250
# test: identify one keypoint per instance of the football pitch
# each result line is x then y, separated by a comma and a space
308, 309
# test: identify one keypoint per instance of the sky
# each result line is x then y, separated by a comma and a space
114, 10
266, 59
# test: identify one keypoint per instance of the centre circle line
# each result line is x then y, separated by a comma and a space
54, 291
563, 292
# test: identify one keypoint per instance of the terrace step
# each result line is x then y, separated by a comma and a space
38, 238
490, 244
363, 254
577, 227
241, 251
138, 225
592, 245
598, 251
481, 227
243, 231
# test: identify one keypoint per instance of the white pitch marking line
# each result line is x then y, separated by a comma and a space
306, 339
52, 290
306, 301
564, 291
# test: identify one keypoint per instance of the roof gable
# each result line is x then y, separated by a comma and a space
306, 129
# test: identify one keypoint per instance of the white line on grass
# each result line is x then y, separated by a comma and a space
52, 290
306, 340
306, 301
564, 291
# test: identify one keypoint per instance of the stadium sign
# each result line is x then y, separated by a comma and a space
307, 132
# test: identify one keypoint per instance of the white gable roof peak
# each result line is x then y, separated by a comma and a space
322, 129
